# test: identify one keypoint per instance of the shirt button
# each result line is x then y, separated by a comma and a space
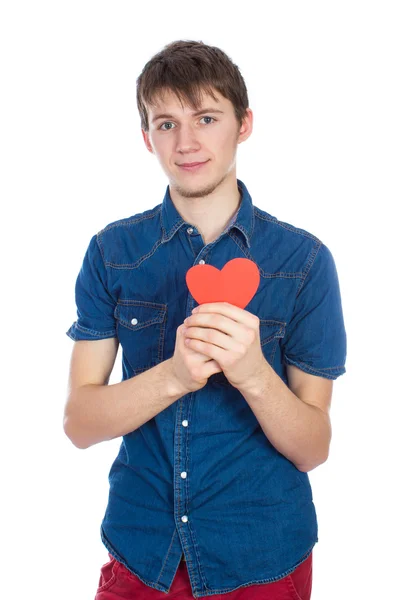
201, 262
183, 474
190, 230
134, 321
184, 518
185, 423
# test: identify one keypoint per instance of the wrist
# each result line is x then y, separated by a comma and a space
175, 389
255, 385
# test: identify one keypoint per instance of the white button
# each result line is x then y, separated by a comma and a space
185, 423
190, 230
184, 518
183, 474
134, 321
201, 262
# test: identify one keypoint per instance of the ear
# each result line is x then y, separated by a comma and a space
147, 141
246, 127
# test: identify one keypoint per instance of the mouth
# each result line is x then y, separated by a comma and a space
193, 166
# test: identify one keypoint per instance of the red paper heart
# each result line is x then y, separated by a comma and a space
236, 283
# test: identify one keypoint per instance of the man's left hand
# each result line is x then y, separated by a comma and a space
231, 336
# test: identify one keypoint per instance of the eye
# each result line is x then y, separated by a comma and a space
166, 123
169, 122
212, 118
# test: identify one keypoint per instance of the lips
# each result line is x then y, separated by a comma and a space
193, 167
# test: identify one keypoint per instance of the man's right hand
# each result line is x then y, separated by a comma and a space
190, 368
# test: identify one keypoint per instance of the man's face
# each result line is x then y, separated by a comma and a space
184, 137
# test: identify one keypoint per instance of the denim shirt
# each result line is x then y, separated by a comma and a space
201, 477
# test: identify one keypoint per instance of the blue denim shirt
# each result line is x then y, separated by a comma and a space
201, 477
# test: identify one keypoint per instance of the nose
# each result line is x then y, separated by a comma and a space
187, 140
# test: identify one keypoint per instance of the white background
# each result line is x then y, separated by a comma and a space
323, 82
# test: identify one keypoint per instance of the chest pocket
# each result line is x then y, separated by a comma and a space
141, 330
271, 331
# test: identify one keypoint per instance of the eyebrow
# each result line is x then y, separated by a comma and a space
195, 114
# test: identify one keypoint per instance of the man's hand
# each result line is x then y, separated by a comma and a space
229, 335
189, 368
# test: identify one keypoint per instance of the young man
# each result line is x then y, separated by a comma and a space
222, 411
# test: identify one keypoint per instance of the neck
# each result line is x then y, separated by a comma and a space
209, 213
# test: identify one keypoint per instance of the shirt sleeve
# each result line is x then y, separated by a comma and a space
95, 305
315, 339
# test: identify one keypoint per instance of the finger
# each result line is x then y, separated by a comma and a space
192, 350
212, 367
237, 331
215, 352
212, 336
240, 315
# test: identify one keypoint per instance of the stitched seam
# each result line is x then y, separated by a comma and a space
131, 220
319, 369
261, 581
280, 275
311, 261
138, 327
138, 262
123, 562
221, 590
101, 249
274, 350
100, 246
93, 331
166, 558
240, 245
284, 225
190, 529
292, 586
162, 337
145, 303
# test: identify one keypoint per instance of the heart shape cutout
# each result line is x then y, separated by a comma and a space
236, 282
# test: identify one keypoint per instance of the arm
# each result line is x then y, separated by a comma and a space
96, 411
296, 422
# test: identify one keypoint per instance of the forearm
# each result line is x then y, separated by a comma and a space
299, 431
103, 412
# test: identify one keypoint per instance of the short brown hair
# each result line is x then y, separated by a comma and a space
189, 68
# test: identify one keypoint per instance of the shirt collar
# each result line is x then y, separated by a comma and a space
243, 220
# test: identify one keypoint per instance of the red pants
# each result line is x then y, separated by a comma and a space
117, 583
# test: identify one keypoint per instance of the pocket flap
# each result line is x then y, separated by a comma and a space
271, 329
136, 314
